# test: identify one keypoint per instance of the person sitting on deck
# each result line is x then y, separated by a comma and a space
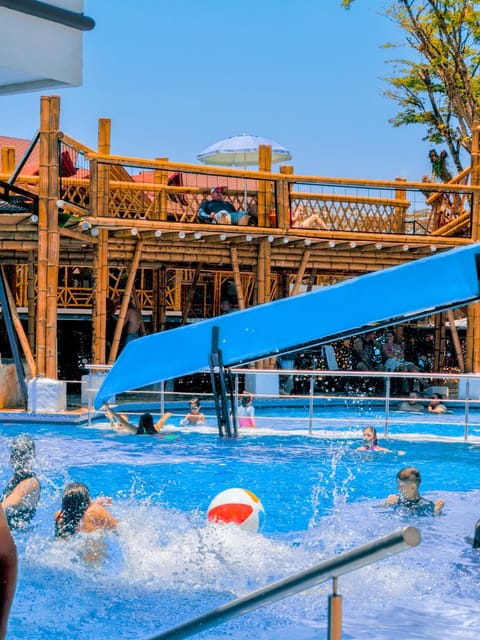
22, 493
409, 499
217, 210
301, 219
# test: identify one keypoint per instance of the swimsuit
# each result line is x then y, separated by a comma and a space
18, 517
419, 506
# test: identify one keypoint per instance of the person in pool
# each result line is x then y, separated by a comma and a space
194, 416
22, 493
476, 536
79, 513
409, 500
370, 441
246, 411
436, 405
120, 421
8, 572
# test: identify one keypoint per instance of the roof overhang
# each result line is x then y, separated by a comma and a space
42, 44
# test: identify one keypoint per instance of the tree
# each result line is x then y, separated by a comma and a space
440, 87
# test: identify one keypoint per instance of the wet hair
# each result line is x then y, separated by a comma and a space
22, 452
145, 424
437, 396
409, 474
476, 536
246, 399
75, 501
374, 431
194, 402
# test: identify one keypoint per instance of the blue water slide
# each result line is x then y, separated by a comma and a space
418, 288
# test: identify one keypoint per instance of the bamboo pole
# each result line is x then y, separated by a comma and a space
53, 251
8, 160
31, 300
237, 277
17, 323
283, 198
301, 272
191, 293
162, 298
42, 252
264, 192
125, 300
100, 256
160, 179
473, 311
456, 340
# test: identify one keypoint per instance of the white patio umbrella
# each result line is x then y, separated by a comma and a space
241, 151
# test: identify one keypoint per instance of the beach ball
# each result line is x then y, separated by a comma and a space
237, 506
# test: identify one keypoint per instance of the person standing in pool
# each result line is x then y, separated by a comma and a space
194, 417
22, 493
436, 405
409, 500
370, 441
246, 411
8, 572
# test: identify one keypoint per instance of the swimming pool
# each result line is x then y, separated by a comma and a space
167, 565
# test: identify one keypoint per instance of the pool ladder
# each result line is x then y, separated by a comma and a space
329, 569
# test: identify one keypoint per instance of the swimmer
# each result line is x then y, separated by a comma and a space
8, 572
370, 441
436, 405
22, 493
79, 513
409, 499
476, 536
194, 416
120, 421
246, 411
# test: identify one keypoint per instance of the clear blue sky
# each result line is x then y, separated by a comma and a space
175, 77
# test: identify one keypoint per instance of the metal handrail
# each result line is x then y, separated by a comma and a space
329, 569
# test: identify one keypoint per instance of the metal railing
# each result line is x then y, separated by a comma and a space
329, 569
346, 387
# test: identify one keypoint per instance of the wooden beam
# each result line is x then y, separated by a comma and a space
191, 293
17, 323
301, 272
125, 300
237, 278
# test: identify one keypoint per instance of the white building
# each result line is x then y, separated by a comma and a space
41, 44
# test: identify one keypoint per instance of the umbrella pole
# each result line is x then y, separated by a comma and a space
245, 195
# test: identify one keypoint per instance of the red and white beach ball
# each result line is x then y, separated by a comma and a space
237, 506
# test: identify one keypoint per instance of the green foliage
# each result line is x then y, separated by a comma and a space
439, 88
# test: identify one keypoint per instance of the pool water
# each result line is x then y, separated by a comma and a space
167, 565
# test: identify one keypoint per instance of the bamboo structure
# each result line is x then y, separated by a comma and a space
140, 216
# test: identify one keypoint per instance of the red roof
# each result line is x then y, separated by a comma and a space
20, 145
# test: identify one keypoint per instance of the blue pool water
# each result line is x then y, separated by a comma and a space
321, 497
